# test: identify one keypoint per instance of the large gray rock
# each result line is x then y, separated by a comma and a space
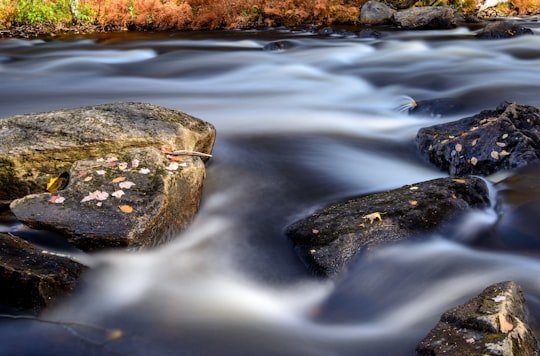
376, 13
36, 147
327, 240
135, 172
426, 17
493, 323
505, 138
32, 279
136, 206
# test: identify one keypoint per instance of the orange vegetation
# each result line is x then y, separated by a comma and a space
180, 14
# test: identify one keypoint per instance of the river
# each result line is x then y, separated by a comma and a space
298, 128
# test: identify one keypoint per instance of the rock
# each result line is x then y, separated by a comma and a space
426, 18
367, 33
436, 107
130, 199
32, 279
376, 13
328, 240
36, 147
276, 46
399, 4
504, 138
502, 29
493, 323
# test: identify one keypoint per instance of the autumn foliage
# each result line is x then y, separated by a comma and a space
182, 14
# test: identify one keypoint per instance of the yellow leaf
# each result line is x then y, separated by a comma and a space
462, 181
125, 209
413, 202
57, 183
373, 216
505, 326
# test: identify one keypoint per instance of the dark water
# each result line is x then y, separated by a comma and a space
297, 129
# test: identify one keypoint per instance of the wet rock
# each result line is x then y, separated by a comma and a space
37, 147
328, 240
493, 323
367, 33
504, 138
376, 13
130, 199
276, 46
438, 107
502, 29
426, 18
32, 279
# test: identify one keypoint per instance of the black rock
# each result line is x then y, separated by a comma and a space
32, 279
501, 29
436, 107
493, 323
505, 138
329, 239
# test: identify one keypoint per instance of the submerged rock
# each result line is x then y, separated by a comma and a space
493, 323
328, 240
32, 279
505, 138
438, 107
37, 147
426, 18
502, 29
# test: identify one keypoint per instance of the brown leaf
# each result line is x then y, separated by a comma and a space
459, 180
119, 179
172, 158
125, 209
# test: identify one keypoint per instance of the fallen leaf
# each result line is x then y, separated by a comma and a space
172, 158
172, 167
373, 216
114, 334
57, 199
474, 161
504, 153
504, 136
125, 209
54, 184
474, 142
144, 171
458, 147
82, 173
99, 203
95, 195
470, 340
100, 160
111, 164
413, 202
499, 298
101, 172
126, 185
504, 325
166, 149
119, 179
135, 163
315, 231
112, 159
500, 144
122, 166
413, 188
88, 179
494, 154
118, 194
462, 181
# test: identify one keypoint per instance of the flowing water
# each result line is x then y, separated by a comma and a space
298, 128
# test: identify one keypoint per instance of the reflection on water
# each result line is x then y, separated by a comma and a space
297, 129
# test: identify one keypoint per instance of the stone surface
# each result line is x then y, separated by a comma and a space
32, 279
505, 138
142, 196
502, 29
493, 323
399, 4
438, 107
328, 240
426, 17
36, 147
376, 13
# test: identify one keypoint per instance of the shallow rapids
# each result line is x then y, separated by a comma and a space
297, 129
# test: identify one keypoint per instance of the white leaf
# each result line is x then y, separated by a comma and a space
499, 298
126, 185
118, 194
135, 163
100, 172
172, 167
144, 171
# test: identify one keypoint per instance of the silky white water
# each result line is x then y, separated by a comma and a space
297, 129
